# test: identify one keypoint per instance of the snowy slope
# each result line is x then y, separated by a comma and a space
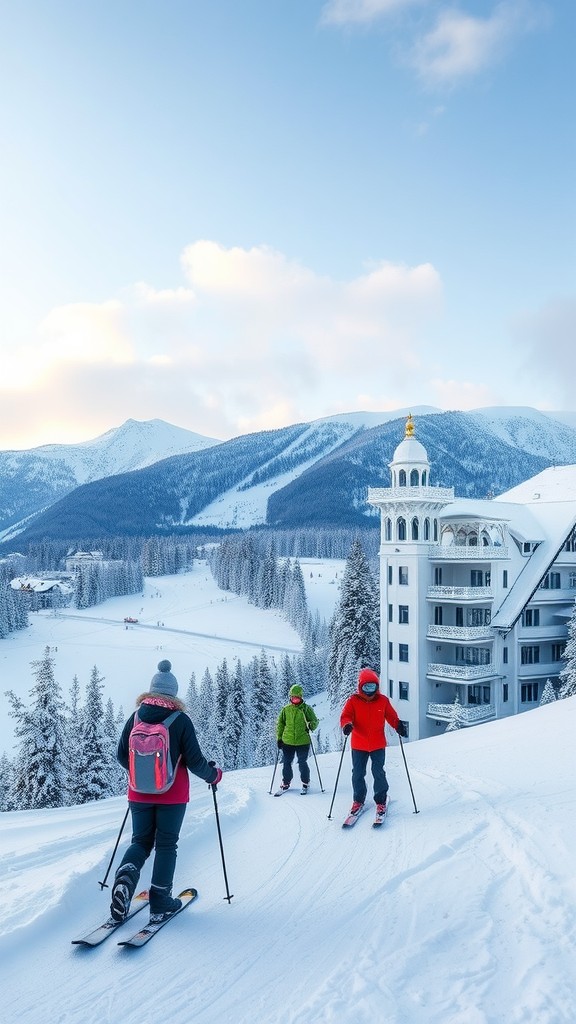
550, 435
462, 914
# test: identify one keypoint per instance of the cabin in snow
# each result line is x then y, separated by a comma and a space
475, 594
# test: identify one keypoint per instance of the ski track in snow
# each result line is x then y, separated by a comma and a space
462, 914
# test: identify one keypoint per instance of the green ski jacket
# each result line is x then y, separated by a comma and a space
295, 721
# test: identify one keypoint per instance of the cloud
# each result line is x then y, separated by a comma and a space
346, 12
461, 45
251, 339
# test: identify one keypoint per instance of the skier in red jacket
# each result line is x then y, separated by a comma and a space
364, 715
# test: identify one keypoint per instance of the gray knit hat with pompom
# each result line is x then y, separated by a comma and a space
164, 682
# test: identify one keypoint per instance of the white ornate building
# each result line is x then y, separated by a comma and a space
475, 594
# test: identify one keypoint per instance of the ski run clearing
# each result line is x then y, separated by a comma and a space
464, 913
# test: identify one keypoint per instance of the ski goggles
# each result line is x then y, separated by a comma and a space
369, 688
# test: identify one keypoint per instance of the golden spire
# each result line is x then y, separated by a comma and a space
409, 432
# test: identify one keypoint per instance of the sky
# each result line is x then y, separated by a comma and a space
238, 216
464, 913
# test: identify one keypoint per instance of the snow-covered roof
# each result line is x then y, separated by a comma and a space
550, 500
410, 450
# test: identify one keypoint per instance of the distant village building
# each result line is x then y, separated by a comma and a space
76, 559
475, 594
43, 592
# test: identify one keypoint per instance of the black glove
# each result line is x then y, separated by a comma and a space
279, 744
347, 729
402, 730
218, 773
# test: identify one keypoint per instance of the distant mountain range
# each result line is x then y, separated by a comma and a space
146, 478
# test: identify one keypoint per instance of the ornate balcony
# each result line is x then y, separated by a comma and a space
479, 553
460, 594
468, 714
381, 495
460, 632
462, 673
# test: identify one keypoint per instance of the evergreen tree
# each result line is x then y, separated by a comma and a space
39, 777
355, 625
548, 693
456, 720
117, 773
568, 673
264, 712
234, 726
95, 758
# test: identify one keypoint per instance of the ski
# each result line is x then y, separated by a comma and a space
98, 935
353, 818
149, 930
379, 818
280, 791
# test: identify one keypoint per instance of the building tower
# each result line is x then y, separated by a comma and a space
409, 511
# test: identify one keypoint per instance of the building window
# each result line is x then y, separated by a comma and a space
401, 529
572, 580
390, 651
403, 575
435, 530
414, 481
504, 693
402, 652
551, 581
390, 612
529, 655
557, 652
403, 689
438, 576
403, 614
478, 694
478, 617
531, 617
504, 655
529, 693
402, 478
390, 576
406, 730
476, 578
438, 615
505, 579
415, 529
426, 529
388, 529
472, 656
390, 688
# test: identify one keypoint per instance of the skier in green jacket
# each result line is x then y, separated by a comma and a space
295, 723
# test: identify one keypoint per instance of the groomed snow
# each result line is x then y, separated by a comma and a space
464, 913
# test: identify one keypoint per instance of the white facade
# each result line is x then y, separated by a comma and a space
475, 595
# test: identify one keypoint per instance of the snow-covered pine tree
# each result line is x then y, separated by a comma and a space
548, 693
234, 728
39, 776
263, 711
568, 673
456, 719
6, 784
95, 755
355, 625
72, 730
117, 773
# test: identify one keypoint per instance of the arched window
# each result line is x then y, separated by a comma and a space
436, 530
424, 478
426, 529
414, 478
402, 478
388, 530
401, 529
415, 528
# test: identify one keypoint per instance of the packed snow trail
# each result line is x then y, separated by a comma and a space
462, 914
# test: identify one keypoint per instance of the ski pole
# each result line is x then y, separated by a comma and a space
103, 884
337, 777
407, 773
228, 896
274, 772
316, 761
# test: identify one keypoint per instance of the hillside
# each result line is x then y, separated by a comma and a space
306, 475
465, 912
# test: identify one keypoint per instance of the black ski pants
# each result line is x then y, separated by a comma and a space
155, 826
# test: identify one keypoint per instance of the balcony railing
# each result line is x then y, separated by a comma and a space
480, 553
464, 673
460, 593
460, 632
380, 495
467, 714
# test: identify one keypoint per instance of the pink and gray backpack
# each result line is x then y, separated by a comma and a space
150, 768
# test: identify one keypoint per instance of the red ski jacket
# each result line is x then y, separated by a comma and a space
367, 717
